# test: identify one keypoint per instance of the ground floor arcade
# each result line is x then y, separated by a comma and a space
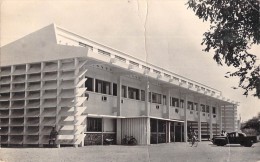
145, 130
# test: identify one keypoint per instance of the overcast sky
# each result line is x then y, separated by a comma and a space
172, 38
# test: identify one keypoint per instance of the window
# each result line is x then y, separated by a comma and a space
133, 93
114, 89
123, 91
102, 86
196, 106
89, 84
202, 108
207, 109
156, 98
190, 105
213, 110
94, 124
161, 126
182, 103
164, 100
142, 95
175, 102
153, 123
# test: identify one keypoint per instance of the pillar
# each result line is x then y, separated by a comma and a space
220, 119
235, 120
168, 103
147, 113
185, 119
169, 131
147, 108
148, 131
119, 95
225, 127
210, 121
199, 120
174, 131
119, 104
118, 131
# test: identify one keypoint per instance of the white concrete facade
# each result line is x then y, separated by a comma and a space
56, 75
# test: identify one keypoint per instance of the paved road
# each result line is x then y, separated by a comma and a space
205, 152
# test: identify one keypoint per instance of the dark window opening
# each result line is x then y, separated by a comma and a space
182, 103
207, 109
164, 100
142, 95
213, 110
133, 93
114, 89
89, 84
195, 106
103, 86
94, 124
175, 102
203, 108
190, 105
156, 98
123, 91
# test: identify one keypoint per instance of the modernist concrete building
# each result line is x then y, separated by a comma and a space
90, 92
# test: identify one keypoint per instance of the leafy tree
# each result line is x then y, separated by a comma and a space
253, 124
234, 29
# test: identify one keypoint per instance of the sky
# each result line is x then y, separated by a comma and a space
161, 32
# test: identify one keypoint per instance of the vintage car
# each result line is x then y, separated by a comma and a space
234, 138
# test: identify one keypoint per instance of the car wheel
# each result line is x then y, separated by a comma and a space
248, 144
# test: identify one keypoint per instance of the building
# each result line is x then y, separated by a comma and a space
91, 92
229, 118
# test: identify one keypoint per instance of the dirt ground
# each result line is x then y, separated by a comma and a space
204, 152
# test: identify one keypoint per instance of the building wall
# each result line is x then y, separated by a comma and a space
229, 118
136, 127
35, 97
132, 107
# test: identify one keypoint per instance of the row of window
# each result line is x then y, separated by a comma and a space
104, 87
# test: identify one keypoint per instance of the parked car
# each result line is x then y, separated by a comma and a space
234, 138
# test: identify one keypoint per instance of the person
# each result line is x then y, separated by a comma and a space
193, 137
223, 133
53, 136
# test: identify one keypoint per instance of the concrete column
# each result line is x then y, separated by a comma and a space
157, 134
147, 108
174, 131
126, 91
94, 84
199, 120
148, 131
225, 127
235, 120
118, 131
119, 95
220, 118
185, 118
102, 131
111, 88
168, 103
210, 121
169, 131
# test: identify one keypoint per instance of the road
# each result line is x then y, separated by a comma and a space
179, 152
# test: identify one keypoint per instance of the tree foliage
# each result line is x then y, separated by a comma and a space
234, 28
252, 124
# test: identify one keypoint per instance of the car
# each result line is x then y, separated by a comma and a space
234, 138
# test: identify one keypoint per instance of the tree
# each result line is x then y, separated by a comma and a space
234, 29
252, 124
